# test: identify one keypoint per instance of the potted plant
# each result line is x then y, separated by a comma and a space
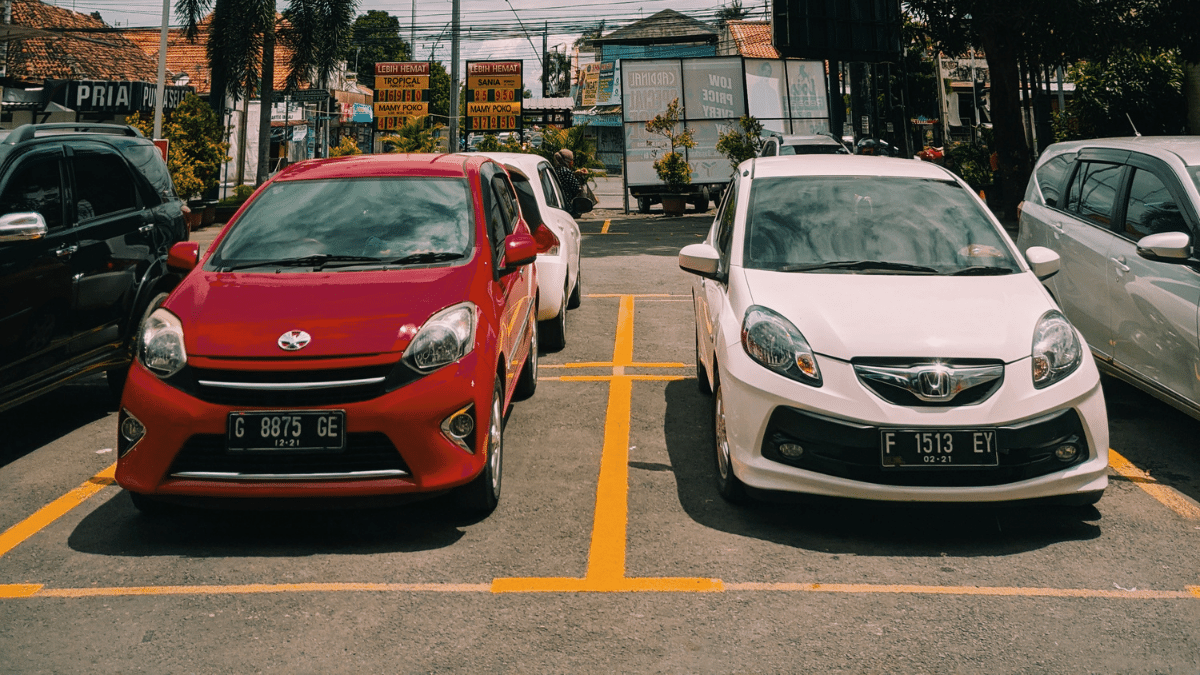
673, 170
742, 142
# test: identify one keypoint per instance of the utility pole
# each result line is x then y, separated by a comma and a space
454, 39
545, 58
160, 92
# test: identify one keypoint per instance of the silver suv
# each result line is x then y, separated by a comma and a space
1123, 214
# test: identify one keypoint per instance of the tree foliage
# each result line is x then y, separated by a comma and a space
415, 135
558, 75
672, 168
1143, 86
743, 142
731, 12
584, 41
375, 38
346, 147
197, 147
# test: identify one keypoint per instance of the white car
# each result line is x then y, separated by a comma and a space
868, 330
560, 287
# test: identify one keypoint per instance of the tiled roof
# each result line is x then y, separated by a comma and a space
667, 26
192, 57
753, 39
35, 59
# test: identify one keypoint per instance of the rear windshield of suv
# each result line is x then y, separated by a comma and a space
383, 218
810, 149
801, 222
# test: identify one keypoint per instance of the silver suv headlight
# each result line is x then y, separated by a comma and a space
160, 345
775, 343
1056, 349
445, 338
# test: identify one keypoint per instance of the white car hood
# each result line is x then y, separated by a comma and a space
879, 315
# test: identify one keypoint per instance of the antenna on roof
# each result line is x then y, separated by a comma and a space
1135, 131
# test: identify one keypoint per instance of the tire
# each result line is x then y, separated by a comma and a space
117, 376
554, 331
577, 292
481, 495
527, 380
643, 204
729, 487
701, 372
700, 203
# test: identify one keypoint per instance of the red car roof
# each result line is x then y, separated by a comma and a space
387, 164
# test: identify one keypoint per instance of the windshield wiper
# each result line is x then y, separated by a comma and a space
981, 271
315, 261
859, 265
426, 257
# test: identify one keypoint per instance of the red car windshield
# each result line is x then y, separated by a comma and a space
374, 218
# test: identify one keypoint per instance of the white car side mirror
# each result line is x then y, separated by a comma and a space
1044, 262
700, 259
1166, 246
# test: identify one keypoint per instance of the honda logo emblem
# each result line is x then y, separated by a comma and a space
935, 383
294, 340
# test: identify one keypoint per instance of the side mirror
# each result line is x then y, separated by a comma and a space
581, 204
520, 249
1169, 247
702, 260
184, 256
22, 226
1044, 262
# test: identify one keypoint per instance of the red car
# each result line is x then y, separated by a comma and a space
358, 329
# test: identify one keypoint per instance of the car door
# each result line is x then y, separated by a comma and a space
511, 291
554, 199
1044, 198
114, 233
1082, 234
1154, 304
713, 298
35, 275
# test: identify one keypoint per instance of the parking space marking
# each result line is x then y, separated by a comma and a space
242, 589
604, 230
1167, 495
56, 509
1009, 591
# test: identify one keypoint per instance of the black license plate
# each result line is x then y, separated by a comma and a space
315, 430
938, 448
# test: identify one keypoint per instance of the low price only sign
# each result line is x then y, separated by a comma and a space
401, 93
494, 96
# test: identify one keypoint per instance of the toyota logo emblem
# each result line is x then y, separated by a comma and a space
293, 340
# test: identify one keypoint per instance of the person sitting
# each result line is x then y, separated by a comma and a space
564, 168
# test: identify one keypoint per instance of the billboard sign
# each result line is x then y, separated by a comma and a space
494, 96
401, 93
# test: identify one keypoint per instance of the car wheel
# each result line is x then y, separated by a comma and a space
577, 292
117, 376
700, 202
701, 372
481, 495
554, 331
643, 204
527, 380
730, 488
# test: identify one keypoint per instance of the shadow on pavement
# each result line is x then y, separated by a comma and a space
117, 528
1157, 438
641, 235
849, 526
51, 416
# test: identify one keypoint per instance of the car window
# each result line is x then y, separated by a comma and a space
800, 221
148, 160
379, 217
769, 149
528, 200
725, 228
550, 186
809, 149
103, 183
506, 202
35, 185
1151, 208
1094, 191
1195, 172
1050, 178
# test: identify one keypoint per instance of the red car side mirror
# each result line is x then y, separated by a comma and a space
184, 256
519, 249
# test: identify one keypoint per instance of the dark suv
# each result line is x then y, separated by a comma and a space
87, 214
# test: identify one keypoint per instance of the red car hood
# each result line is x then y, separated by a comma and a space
240, 315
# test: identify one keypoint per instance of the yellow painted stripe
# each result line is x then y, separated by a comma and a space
1010, 591
56, 509
623, 349
596, 585
262, 588
1194, 590
609, 378
636, 295
604, 230
607, 364
1168, 496
606, 556
18, 590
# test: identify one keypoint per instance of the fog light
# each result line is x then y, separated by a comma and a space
1066, 452
131, 430
790, 450
458, 428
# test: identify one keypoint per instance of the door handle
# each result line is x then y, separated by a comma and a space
1119, 261
147, 228
1058, 229
66, 251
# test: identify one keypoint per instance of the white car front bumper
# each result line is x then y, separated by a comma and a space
841, 421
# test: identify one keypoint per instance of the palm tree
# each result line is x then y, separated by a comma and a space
241, 49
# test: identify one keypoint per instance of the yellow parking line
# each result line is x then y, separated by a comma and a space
638, 296
601, 364
56, 509
610, 378
604, 230
1010, 591
1165, 494
262, 588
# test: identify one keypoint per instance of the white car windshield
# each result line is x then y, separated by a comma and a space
856, 224
393, 220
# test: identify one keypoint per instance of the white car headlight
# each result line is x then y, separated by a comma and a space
161, 344
775, 343
445, 338
1056, 349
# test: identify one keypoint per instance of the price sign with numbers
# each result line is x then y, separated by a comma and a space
401, 93
494, 95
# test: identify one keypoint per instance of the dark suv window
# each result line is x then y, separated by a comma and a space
103, 184
1094, 191
148, 160
1151, 208
36, 185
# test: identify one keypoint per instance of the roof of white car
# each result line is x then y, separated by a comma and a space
844, 165
524, 160
1187, 148
815, 139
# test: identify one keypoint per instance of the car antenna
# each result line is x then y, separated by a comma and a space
1135, 131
